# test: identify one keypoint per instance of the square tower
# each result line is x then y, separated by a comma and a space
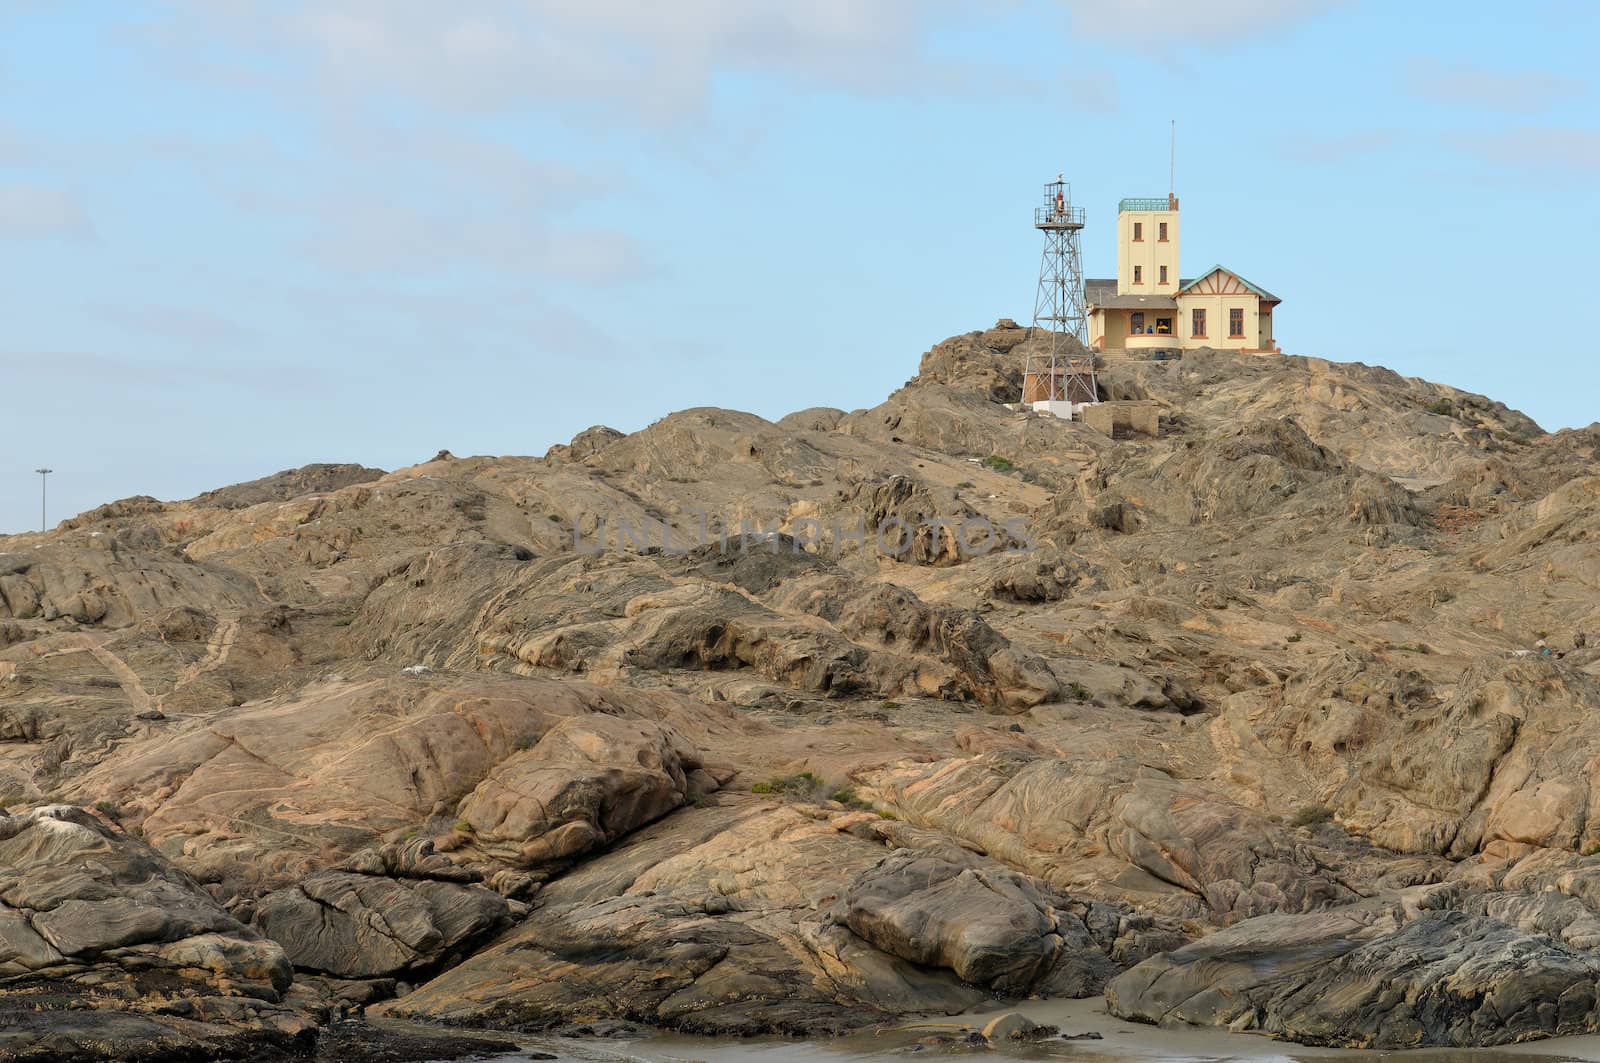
1147, 246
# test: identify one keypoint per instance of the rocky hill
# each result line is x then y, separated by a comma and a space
736, 726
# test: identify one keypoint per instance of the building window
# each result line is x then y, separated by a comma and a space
1236, 323
1161, 232
1136, 324
1197, 324
1163, 274
1138, 274
1138, 232
1163, 326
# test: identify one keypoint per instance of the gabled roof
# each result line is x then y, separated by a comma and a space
1265, 295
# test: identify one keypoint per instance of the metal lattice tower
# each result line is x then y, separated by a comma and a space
1066, 374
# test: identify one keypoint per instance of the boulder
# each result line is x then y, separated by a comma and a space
588, 781
366, 926
670, 963
1370, 977
993, 927
78, 896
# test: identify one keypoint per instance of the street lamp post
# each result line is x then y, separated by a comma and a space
44, 475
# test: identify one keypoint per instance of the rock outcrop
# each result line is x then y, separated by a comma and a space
106, 947
1369, 976
1281, 720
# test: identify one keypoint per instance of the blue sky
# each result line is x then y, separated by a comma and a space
242, 235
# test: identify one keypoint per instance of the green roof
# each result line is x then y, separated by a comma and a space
1203, 274
1145, 203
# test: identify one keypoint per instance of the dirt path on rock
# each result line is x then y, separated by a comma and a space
126, 677
217, 649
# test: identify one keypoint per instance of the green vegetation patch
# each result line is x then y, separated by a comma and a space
1310, 815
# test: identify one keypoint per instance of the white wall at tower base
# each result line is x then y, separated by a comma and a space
1059, 407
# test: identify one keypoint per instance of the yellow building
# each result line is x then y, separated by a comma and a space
1150, 307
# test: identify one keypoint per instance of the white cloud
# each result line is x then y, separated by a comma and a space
41, 210
1548, 149
1551, 150
1479, 88
1189, 22
1094, 91
1316, 150
651, 62
389, 237
75, 372
189, 326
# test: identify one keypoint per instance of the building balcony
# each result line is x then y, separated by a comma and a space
1140, 341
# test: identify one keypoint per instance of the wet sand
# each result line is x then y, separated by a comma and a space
1119, 1041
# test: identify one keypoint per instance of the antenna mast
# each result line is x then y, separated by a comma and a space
1172, 161
44, 479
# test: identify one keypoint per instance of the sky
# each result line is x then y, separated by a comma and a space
244, 235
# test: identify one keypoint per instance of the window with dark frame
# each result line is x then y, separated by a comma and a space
1161, 232
1235, 323
1136, 324
1138, 274
1163, 274
1138, 231
1197, 324
1163, 326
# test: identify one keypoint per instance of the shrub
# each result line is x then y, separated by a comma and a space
847, 796
108, 810
1442, 407
802, 787
1310, 815
1079, 692
963, 485
999, 464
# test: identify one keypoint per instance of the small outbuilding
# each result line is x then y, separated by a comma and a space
1129, 417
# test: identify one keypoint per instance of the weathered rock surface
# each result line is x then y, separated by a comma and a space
1369, 977
719, 926
263, 793
78, 894
109, 951
1117, 828
590, 780
992, 927
290, 483
644, 729
365, 926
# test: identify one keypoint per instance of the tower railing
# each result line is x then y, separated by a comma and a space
1148, 203
1053, 217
